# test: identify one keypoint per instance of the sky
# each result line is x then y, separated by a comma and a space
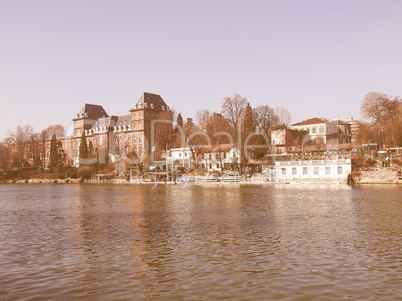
314, 58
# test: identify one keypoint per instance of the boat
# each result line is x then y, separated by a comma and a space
231, 176
185, 180
208, 178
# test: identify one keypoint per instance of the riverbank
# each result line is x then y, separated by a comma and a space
378, 176
40, 181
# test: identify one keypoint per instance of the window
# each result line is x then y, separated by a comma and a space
313, 130
316, 170
340, 170
284, 171
321, 129
294, 170
304, 170
327, 170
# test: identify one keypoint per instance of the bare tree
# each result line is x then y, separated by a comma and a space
43, 136
202, 118
35, 150
384, 112
372, 106
233, 109
284, 116
7, 142
265, 118
166, 131
57, 130
20, 138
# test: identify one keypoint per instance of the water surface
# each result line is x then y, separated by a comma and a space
171, 242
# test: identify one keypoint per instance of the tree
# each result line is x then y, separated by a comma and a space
20, 138
43, 136
166, 134
56, 160
179, 120
3, 157
34, 150
56, 129
202, 118
248, 120
372, 106
83, 147
265, 118
91, 151
233, 109
284, 116
384, 112
7, 142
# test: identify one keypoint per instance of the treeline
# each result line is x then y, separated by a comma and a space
236, 122
233, 124
384, 113
381, 122
25, 148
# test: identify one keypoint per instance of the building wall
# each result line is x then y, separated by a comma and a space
313, 171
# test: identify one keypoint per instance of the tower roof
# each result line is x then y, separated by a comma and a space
91, 111
151, 102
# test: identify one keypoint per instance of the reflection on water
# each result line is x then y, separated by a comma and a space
285, 242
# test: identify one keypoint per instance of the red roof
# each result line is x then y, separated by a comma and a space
311, 121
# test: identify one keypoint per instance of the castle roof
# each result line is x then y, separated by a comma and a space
91, 111
102, 122
151, 102
123, 120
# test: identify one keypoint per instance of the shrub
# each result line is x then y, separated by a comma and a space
71, 172
397, 161
84, 172
50, 175
370, 162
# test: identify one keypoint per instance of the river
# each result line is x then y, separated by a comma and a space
172, 242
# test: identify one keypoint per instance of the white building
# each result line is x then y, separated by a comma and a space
210, 158
319, 129
216, 157
310, 171
180, 157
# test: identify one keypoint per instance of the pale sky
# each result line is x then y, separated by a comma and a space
315, 58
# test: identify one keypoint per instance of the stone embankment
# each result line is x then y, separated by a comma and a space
37, 181
378, 176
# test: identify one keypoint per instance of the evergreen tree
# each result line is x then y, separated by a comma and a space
61, 155
54, 157
90, 149
248, 120
83, 147
179, 120
57, 155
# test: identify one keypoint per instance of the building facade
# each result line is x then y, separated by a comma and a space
132, 135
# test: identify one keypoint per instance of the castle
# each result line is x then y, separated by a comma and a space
115, 135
